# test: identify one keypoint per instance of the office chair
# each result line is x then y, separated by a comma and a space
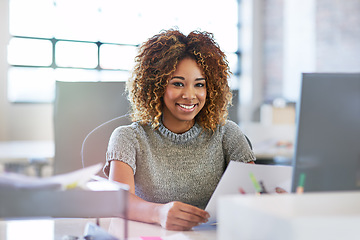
85, 114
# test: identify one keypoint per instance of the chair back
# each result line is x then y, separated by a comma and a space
85, 114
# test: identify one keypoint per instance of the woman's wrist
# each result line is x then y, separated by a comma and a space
156, 214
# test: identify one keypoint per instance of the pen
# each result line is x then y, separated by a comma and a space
256, 184
300, 188
263, 189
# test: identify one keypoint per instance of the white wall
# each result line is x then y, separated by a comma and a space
19, 121
4, 36
282, 39
299, 44
251, 83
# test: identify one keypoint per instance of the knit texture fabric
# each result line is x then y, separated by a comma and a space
177, 167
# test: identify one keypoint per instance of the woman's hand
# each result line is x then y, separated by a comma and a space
179, 216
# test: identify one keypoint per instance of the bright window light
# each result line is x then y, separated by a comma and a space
31, 18
22, 51
97, 40
75, 75
76, 54
117, 57
31, 84
77, 20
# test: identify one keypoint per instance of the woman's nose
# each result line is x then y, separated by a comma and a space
189, 93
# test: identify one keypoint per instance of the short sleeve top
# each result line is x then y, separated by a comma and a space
177, 167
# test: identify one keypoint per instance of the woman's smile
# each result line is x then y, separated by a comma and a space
188, 106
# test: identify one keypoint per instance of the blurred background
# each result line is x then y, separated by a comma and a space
269, 43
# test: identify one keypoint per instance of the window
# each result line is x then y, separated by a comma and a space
96, 40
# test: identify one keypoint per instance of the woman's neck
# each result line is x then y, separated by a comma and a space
178, 127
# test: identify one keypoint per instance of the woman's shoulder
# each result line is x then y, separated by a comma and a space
230, 129
129, 129
133, 129
230, 126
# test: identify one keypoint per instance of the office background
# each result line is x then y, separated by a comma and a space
279, 40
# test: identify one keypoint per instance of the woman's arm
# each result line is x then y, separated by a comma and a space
172, 216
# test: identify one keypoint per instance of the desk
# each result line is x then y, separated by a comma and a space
57, 228
17, 155
271, 143
309, 216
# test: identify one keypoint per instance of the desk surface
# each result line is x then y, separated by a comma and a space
270, 141
58, 228
24, 150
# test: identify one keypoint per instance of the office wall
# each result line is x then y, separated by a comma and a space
283, 38
4, 35
330, 42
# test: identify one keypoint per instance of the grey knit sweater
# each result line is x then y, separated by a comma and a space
177, 167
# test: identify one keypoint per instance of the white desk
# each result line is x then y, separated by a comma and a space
10, 150
309, 216
274, 142
57, 228
24, 153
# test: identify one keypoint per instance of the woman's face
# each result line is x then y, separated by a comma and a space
184, 96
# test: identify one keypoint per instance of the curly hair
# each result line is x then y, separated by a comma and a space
157, 60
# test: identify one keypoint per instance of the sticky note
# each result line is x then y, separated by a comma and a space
151, 238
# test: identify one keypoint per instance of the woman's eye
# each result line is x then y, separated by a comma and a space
200, 85
178, 84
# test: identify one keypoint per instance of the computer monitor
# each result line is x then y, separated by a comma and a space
327, 146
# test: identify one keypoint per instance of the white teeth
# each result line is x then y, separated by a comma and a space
186, 106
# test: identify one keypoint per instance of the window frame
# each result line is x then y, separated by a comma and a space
235, 79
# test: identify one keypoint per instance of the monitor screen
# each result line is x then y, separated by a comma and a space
327, 146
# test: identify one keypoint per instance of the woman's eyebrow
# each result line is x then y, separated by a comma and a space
182, 78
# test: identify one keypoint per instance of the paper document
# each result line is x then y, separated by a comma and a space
237, 178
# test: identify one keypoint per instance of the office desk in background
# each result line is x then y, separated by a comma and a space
56, 229
272, 144
16, 156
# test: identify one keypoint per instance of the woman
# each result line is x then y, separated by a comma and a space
177, 148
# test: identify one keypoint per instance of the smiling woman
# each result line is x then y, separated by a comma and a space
177, 148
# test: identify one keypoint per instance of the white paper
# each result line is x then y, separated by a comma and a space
77, 178
237, 175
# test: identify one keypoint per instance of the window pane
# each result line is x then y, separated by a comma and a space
31, 84
117, 57
77, 20
73, 75
107, 75
139, 20
31, 18
108, 21
119, 22
234, 82
76, 54
233, 62
33, 52
226, 37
